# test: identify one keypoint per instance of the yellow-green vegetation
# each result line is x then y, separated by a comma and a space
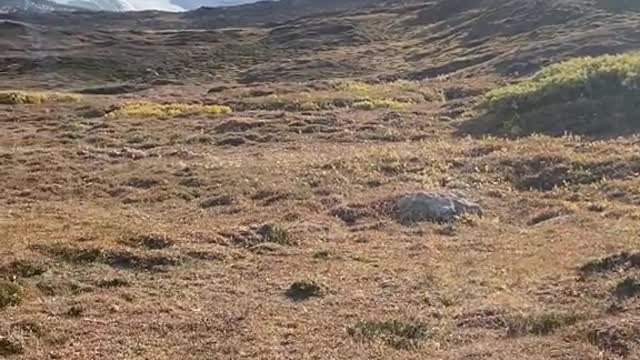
372, 104
398, 95
151, 109
377, 90
590, 95
16, 97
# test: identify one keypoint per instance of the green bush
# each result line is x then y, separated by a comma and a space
589, 95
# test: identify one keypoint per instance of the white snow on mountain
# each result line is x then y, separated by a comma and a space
138, 5
124, 5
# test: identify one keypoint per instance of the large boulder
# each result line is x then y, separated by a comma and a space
432, 206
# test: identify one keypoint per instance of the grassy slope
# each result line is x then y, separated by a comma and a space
258, 233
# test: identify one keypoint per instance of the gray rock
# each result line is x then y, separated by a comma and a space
431, 206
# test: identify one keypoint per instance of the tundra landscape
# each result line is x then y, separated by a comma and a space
300, 179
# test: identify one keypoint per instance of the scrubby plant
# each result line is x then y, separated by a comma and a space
151, 109
395, 333
540, 324
590, 95
303, 290
17, 97
275, 234
10, 293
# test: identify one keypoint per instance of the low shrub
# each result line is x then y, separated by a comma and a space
17, 97
587, 95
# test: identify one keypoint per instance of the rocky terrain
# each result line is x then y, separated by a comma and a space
310, 180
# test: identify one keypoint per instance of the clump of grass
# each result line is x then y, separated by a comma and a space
10, 294
397, 95
590, 95
153, 241
540, 323
397, 334
375, 90
274, 233
151, 109
112, 283
24, 268
627, 288
373, 104
18, 97
303, 290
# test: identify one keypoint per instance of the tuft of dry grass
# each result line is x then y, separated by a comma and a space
395, 333
541, 323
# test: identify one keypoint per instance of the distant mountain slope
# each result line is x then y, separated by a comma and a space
194, 4
10, 6
123, 5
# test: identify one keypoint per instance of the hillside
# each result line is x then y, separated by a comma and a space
355, 179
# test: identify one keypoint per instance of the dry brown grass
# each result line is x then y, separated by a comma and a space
266, 233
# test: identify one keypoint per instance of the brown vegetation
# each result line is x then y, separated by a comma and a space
266, 232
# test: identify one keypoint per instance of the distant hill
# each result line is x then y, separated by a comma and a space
11, 6
194, 4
